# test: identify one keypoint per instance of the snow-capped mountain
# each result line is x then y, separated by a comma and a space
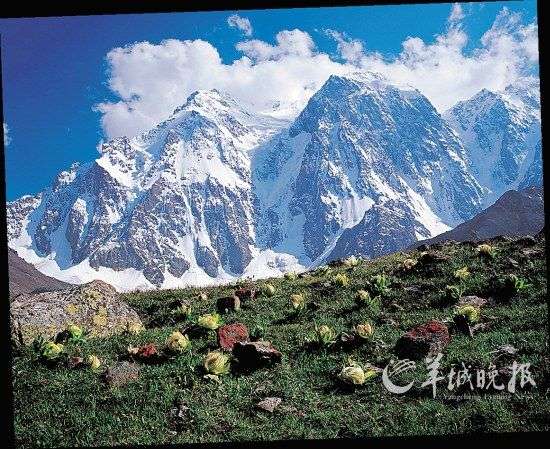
501, 132
359, 142
216, 192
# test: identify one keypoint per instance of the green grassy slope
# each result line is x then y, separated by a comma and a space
59, 406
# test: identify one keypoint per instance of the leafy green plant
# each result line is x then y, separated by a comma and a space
325, 335
373, 304
341, 280
217, 363
210, 321
351, 261
291, 276
470, 312
177, 342
486, 250
298, 301
454, 292
380, 284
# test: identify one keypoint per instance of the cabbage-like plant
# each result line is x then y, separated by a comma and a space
94, 362
133, 327
409, 264
291, 276
210, 321
454, 292
325, 335
462, 273
470, 312
352, 375
217, 363
76, 333
323, 270
177, 342
341, 280
268, 290
351, 261
380, 284
364, 331
183, 310
515, 284
298, 301
52, 351
373, 304
486, 250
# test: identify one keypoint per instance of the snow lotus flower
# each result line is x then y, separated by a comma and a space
183, 310
486, 250
134, 328
471, 312
351, 261
291, 276
341, 280
408, 264
94, 362
268, 290
462, 273
353, 375
325, 334
51, 350
364, 331
75, 332
209, 321
177, 342
298, 301
362, 297
217, 363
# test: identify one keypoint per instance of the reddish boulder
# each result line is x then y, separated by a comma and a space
230, 334
228, 304
256, 354
422, 341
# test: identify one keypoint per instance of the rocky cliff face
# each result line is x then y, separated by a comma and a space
215, 192
502, 135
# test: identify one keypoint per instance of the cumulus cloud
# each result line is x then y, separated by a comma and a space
351, 50
241, 23
151, 80
7, 138
457, 13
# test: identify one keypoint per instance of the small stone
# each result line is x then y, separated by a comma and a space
245, 294
121, 374
422, 341
75, 362
462, 325
430, 258
472, 301
228, 304
256, 354
269, 404
230, 334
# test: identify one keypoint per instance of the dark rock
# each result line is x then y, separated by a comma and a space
422, 341
230, 334
245, 294
269, 404
256, 354
462, 325
121, 374
228, 304
75, 362
430, 258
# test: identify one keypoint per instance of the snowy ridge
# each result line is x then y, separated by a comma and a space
216, 192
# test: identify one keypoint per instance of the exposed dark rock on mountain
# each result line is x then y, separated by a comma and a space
25, 278
516, 213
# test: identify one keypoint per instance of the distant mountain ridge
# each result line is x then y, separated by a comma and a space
516, 213
25, 278
216, 192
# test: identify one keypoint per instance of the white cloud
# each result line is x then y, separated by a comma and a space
151, 80
7, 138
351, 50
457, 14
241, 23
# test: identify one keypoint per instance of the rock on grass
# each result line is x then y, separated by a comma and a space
422, 341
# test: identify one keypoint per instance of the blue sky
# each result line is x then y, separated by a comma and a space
55, 69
